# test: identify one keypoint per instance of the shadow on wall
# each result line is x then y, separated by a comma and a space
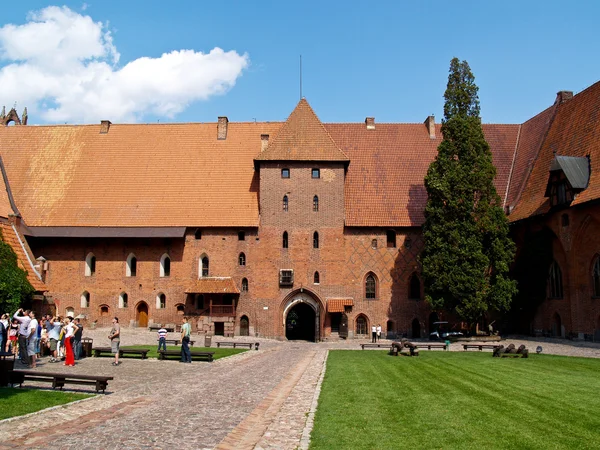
408, 309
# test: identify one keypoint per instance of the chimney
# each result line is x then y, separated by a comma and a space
222, 128
104, 126
370, 123
563, 96
430, 124
264, 142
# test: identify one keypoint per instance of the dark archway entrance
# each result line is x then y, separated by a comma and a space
556, 326
300, 323
416, 329
244, 326
141, 314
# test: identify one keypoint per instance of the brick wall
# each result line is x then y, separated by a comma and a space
343, 259
575, 247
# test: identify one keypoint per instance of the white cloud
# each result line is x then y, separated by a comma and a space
64, 67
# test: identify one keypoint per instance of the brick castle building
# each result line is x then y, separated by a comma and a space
296, 229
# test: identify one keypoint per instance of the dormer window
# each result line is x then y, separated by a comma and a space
569, 175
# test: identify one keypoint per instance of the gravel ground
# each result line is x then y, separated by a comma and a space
256, 399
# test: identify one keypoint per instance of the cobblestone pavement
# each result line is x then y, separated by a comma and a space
256, 399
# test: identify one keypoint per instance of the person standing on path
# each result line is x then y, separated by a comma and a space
186, 330
23, 318
70, 329
378, 332
54, 337
162, 338
32, 340
76, 341
373, 334
3, 332
115, 340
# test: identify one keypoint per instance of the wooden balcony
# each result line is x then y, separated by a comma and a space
222, 310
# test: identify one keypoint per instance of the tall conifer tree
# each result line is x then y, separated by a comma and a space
467, 250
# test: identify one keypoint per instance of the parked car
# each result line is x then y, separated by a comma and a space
442, 331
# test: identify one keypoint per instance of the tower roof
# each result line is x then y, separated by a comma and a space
303, 138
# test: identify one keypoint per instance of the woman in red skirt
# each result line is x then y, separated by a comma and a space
70, 329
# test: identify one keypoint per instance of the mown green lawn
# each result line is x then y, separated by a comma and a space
452, 400
219, 352
16, 402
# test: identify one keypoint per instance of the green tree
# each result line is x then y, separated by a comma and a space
14, 286
467, 251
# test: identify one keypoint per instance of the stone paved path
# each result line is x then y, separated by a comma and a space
257, 399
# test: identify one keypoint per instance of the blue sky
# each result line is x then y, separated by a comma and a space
384, 59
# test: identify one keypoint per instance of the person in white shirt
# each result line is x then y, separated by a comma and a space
373, 333
70, 329
32, 340
23, 318
378, 332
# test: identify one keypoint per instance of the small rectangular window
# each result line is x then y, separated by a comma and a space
286, 277
241, 235
285, 173
316, 173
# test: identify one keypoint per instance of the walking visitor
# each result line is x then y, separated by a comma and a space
115, 340
186, 331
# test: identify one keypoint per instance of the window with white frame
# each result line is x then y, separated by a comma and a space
165, 266
131, 266
123, 300
90, 265
204, 266
85, 299
286, 277
161, 301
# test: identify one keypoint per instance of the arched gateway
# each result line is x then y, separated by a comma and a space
302, 317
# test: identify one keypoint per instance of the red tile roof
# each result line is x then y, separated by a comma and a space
10, 237
575, 131
213, 285
302, 138
335, 305
384, 183
531, 136
135, 175
5, 206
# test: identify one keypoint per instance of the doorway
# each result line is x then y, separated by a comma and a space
433, 318
416, 328
300, 323
141, 315
244, 326
219, 328
556, 326
336, 319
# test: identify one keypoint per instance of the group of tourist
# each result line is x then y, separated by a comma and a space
23, 335
376, 333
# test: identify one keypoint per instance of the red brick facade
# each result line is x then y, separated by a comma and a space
352, 216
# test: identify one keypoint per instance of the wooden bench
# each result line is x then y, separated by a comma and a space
122, 351
480, 346
430, 346
239, 344
163, 354
176, 341
363, 346
58, 380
